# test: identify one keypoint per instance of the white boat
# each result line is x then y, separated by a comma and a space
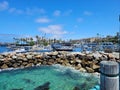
20, 50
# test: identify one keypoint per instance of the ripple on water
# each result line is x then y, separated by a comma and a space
51, 77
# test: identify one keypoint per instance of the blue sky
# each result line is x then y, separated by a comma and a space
65, 19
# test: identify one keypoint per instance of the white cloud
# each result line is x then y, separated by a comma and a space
43, 20
80, 19
87, 13
4, 5
57, 13
54, 30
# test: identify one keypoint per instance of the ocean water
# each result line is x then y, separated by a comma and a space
53, 77
3, 49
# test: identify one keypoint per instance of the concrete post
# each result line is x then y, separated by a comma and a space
109, 75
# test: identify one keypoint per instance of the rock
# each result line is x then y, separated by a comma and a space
49, 63
97, 55
19, 58
38, 56
29, 56
78, 66
4, 66
15, 65
82, 70
1, 57
110, 56
108, 50
76, 88
29, 65
24, 63
14, 57
79, 61
53, 53
45, 86
95, 66
89, 70
25, 59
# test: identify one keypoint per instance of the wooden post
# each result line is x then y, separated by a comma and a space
109, 75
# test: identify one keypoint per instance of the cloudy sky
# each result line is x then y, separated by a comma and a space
65, 19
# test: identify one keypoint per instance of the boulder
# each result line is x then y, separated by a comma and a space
4, 66
29, 56
89, 70
82, 70
15, 65
24, 63
53, 53
25, 59
95, 66
38, 56
29, 65
14, 57
1, 57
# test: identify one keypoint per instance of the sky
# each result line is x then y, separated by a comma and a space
61, 19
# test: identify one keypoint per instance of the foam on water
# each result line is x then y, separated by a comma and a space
56, 76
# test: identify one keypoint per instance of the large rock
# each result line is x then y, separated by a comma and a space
82, 70
1, 57
4, 66
53, 53
89, 70
38, 56
14, 57
29, 65
95, 66
29, 56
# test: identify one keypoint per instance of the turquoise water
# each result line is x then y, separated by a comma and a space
55, 77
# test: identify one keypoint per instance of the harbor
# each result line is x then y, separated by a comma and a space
59, 45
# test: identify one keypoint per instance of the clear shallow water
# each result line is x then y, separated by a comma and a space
59, 78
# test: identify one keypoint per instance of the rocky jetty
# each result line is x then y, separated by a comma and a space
80, 61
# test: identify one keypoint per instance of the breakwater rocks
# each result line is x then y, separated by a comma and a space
80, 61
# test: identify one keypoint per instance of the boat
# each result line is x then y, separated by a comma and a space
20, 50
62, 47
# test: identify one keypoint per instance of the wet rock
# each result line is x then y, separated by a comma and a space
28, 81
45, 86
76, 88
4, 66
